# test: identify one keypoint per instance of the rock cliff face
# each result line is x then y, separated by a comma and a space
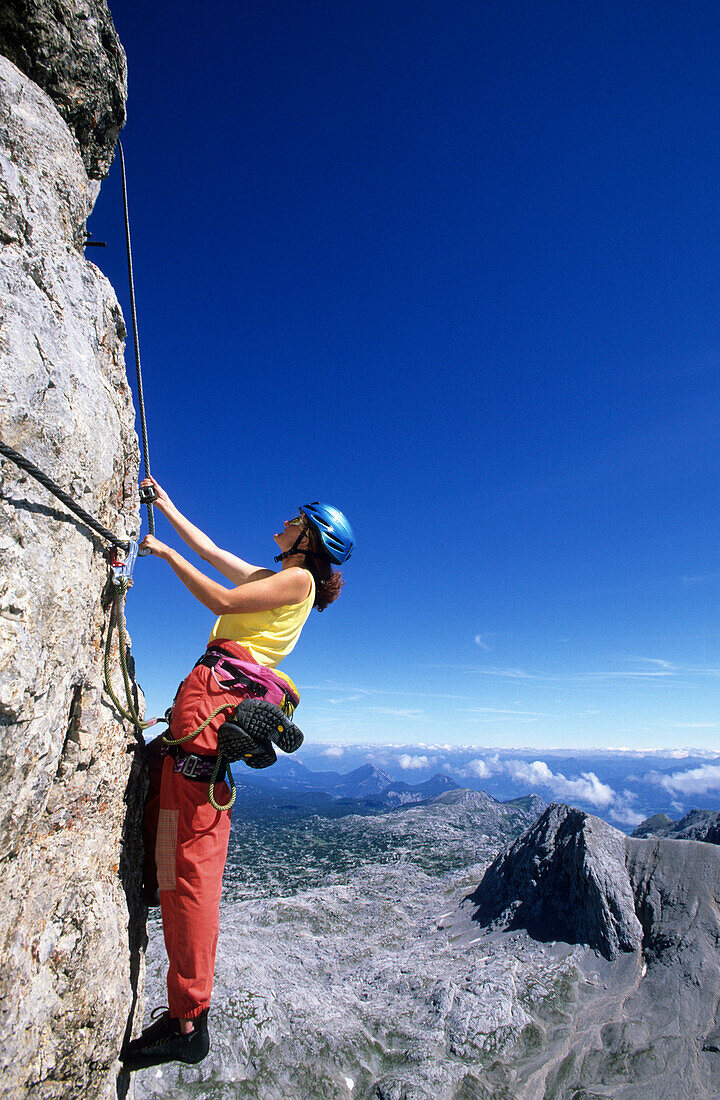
71, 50
71, 926
565, 879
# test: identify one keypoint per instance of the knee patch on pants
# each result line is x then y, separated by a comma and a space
165, 847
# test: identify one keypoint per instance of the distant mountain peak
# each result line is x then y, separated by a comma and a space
567, 854
367, 779
464, 796
696, 825
368, 771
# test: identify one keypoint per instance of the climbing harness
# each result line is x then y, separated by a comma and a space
245, 736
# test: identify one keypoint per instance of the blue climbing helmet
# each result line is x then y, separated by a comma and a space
332, 528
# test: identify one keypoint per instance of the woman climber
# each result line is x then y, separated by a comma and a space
186, 836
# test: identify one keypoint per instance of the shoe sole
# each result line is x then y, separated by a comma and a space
265, 721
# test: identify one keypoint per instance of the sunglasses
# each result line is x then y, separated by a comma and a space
296, 522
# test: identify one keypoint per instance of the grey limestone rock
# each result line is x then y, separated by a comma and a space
644, 1020
394, 1088
564, 879
71, 50
347, 983
71, 787
677, 898
376, 982
651, 1032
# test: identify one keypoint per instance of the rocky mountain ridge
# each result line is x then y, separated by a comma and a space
695, 825
650, 909
366, 782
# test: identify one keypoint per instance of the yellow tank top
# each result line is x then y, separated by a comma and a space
268, 635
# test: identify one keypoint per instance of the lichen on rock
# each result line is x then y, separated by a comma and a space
71, 783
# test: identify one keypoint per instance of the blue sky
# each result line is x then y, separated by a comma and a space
453, 267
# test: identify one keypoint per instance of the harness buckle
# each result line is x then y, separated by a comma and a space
190, 766
123, 570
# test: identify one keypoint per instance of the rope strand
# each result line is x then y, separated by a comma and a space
117, 619
136, 342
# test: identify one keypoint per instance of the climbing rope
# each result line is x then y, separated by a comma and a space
117, 620
208, 720
138, 371
123, 583
221, 764
130, 714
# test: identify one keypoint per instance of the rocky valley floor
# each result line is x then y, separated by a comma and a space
348, 968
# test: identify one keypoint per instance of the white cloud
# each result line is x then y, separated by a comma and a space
410, 763
396, 712
588, 788
692, 726
653, 661
624, 815
334, 750
479, 768
480, 641
693, 781
622, 810
506, 673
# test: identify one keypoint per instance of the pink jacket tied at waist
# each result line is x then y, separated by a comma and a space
224, 674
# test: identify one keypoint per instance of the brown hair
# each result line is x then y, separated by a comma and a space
328, 581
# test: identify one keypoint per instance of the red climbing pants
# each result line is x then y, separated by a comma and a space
188, 840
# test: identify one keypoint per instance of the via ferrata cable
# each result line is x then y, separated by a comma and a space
64, 498
117, 617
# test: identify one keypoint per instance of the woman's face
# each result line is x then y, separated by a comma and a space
291, 529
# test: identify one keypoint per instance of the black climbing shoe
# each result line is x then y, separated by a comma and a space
164, 1025
163, 1042
254, 724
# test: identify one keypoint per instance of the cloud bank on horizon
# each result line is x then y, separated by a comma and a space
623, 787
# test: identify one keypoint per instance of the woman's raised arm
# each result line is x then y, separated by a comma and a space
232, 567
289, 586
